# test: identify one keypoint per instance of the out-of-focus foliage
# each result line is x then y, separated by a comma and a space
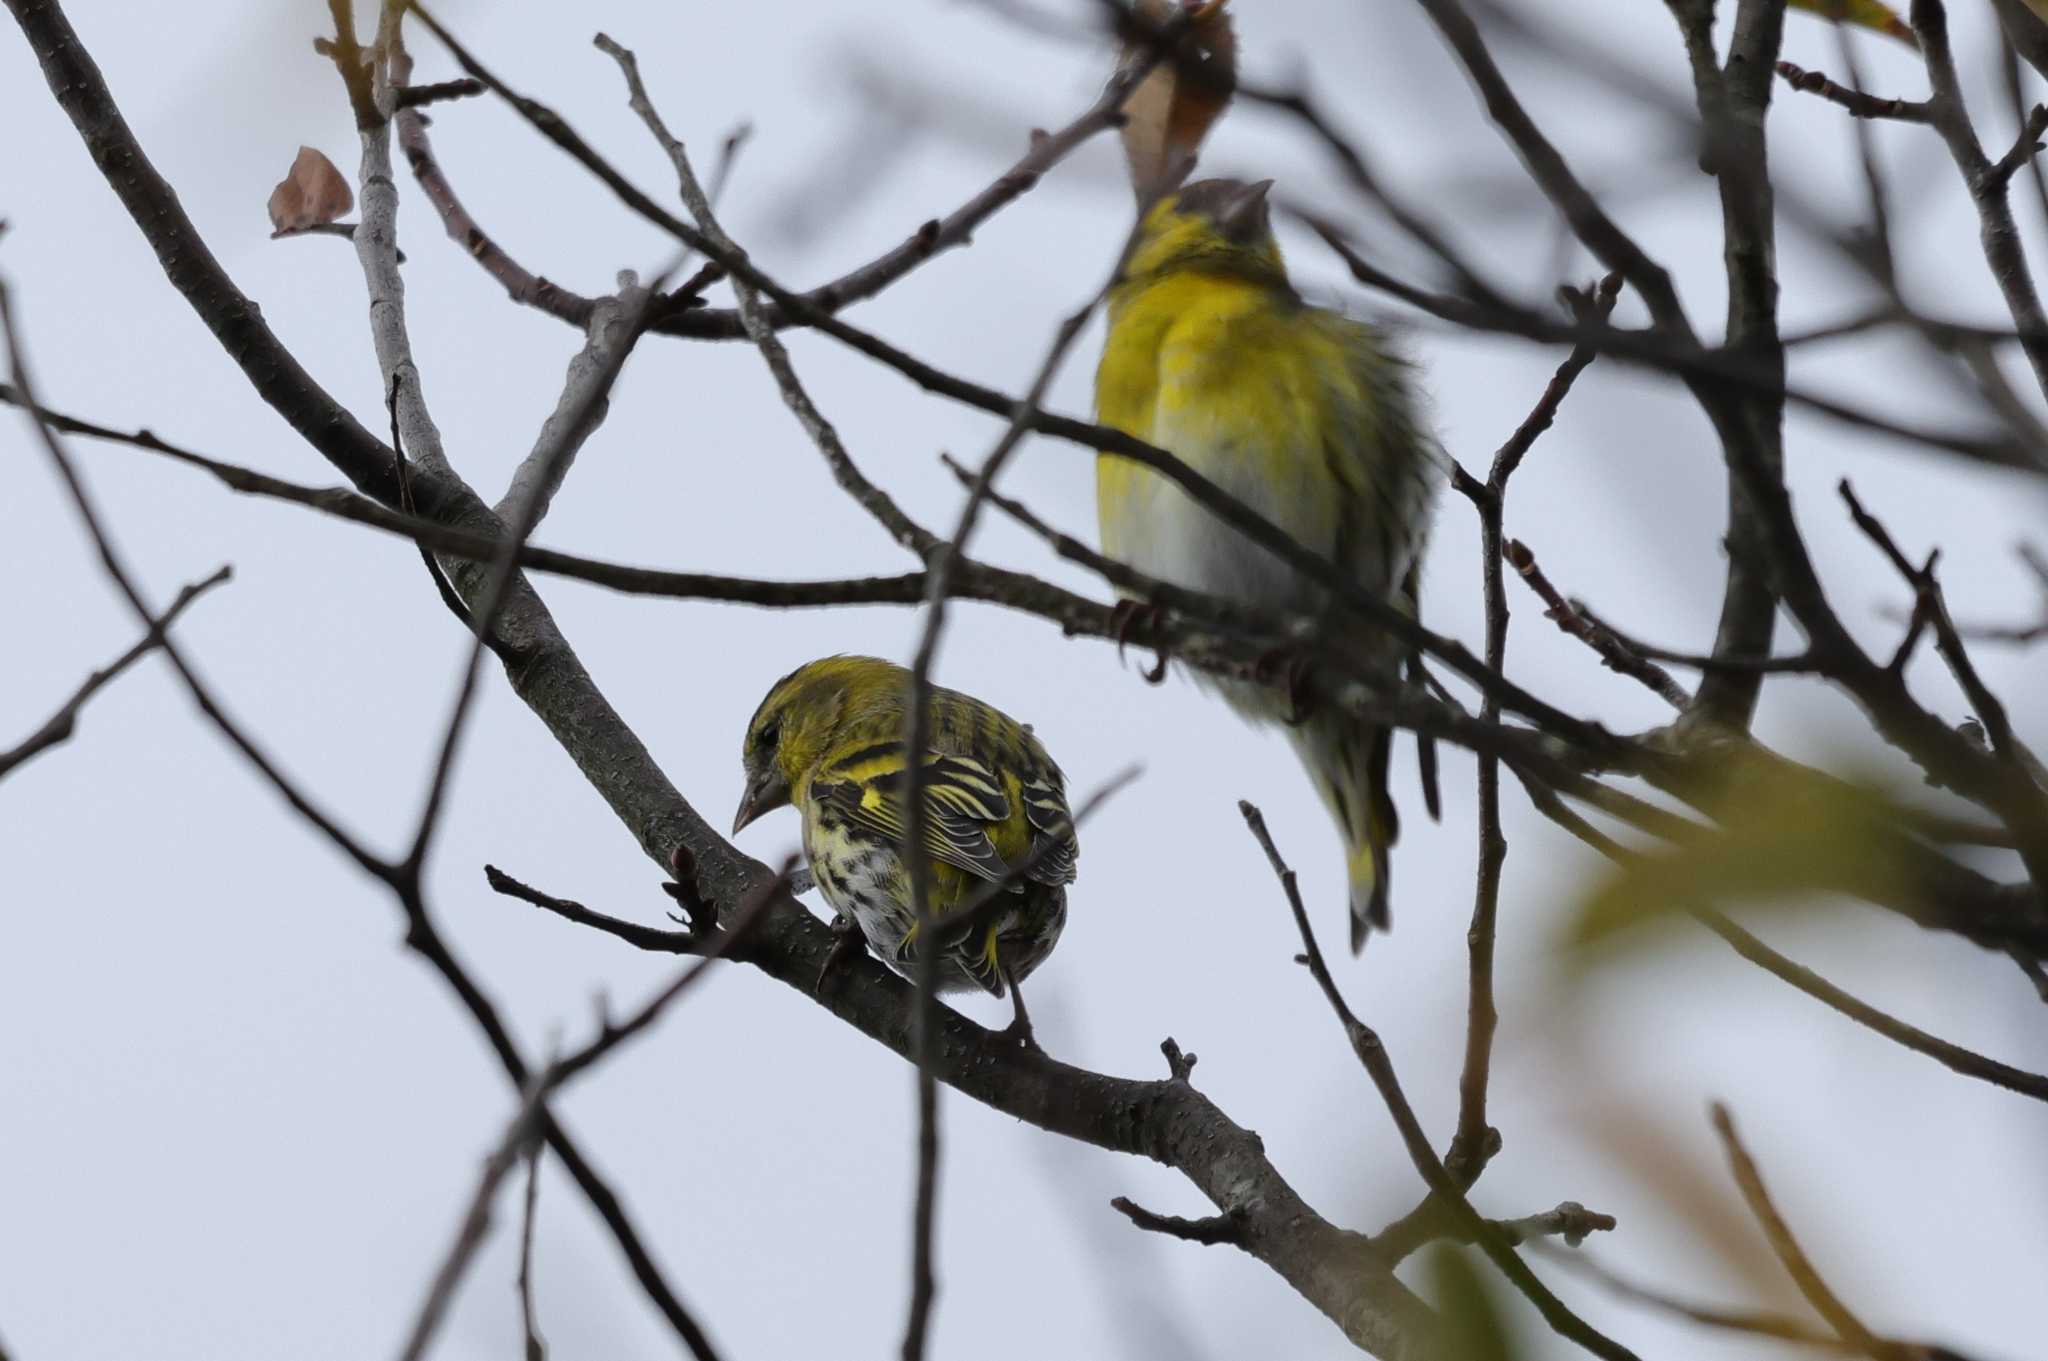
1865, 14
1477, 1330
1783, 836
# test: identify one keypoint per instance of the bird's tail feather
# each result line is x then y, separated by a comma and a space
1369, 833
1349, 761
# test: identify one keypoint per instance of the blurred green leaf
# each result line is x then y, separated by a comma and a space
1476, 1330
1783, 837
1864, 14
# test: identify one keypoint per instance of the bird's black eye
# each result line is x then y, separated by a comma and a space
769, 734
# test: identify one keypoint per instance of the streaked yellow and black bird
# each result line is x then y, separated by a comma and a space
829, 738
1303, 414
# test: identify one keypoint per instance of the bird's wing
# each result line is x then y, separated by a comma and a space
963, 799
1045, 808
1387, 462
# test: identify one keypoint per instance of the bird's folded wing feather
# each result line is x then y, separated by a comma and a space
962, 797
1045, 808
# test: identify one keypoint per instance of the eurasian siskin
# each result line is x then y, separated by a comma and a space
1303, 414
829, 738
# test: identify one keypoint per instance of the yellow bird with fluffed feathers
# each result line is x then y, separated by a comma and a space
1302, 413
828, 738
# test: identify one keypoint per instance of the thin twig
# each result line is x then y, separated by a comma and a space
2025, 147
451, 599
642, 937
1209, 1231
929, 239
1614, 653
2004, 251
1372, 1055
1570, 1221
1547, 167
520, 1135
917, 729
376, 236
1475, 1141
1700, 366
923, 1281
419, 96
117, 571
727, 941
533, 1108
572, 421
1952, 1056
1232, 510
711, 239
1209, 632
616, 325
2019, 798
550, 681
1790, 664
1794, 1259
1855, 101
1779, 1326
1958, 1059
60, 725
536, 1350
2016, 98
1429, 1222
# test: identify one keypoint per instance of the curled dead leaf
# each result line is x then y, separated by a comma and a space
1174, 106
312, 194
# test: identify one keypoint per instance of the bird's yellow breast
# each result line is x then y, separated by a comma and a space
1250, 387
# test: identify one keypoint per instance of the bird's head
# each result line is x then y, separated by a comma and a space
1212, 226
793, 729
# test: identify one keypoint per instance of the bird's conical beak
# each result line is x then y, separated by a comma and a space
1244, 217
765, 793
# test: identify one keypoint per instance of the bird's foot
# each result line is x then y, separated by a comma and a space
1287, 663
1019, 1031
847, 942
1124, 617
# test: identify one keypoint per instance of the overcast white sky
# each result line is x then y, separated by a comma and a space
237, 1120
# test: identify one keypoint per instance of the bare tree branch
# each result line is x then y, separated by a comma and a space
376, 238
2003, 249
549, 677
1372, 1055
117, 571
615, 326
1475, 1141
1702, 760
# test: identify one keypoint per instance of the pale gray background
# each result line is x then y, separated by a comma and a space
236, 1120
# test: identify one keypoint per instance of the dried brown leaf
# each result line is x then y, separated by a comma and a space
1172, 110
312, 194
